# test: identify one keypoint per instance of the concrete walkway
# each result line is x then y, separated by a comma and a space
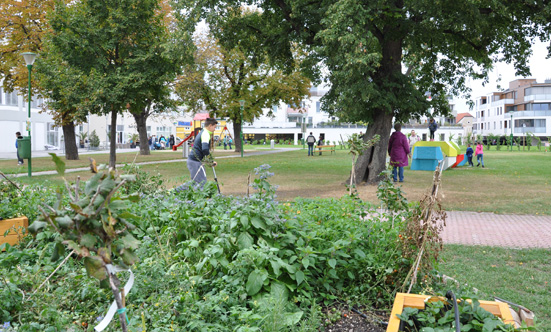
498, 230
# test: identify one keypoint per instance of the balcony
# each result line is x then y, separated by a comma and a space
533, 130
520, 114
503, 102
538, 98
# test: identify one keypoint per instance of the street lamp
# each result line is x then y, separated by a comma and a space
242, 103
29, 60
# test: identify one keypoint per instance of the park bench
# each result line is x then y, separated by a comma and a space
325, 148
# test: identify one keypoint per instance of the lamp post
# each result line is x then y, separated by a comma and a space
242, 103
29, 60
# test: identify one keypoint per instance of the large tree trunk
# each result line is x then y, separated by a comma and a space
373, 161
370, 165
237, 134
113, 139
141, 123
71, 149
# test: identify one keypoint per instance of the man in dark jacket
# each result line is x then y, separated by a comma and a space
201, 149
19, 159
432, 128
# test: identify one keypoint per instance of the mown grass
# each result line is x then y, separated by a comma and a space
512, 182
520, 276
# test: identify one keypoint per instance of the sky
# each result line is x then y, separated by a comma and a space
540, 68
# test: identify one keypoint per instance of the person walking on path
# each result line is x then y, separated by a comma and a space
230, 141
310, 140
225, 142
171, 141
201, 149
320, 142
398, 149
469, 154
479, 152
432, 128
18, 137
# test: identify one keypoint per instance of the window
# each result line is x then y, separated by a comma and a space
539, 90
494, 125
52, 134
12, 98
317, 106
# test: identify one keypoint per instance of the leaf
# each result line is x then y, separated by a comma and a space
257, 222
292, 319
37, 226
129, 177
255, 282
130, 242
129, 257
276, 267
94, 267
332, 262
59, 164
118, 205
244, 221
80, 250
76, 207
279, 291
244, 241
105, 254
88, 240
92, 185
107, 185
305, 262
299, 277
58, 251
64, 222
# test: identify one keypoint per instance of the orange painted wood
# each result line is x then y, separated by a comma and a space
417, 301
8, 224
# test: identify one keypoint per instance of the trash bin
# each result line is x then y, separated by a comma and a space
185, 148
272, 144
24, 147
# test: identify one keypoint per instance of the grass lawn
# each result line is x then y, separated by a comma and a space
519, 276
513, 182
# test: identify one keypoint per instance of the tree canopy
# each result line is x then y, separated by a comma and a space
219, 78
383, 57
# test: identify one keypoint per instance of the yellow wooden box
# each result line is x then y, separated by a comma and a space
416, 301
13, 237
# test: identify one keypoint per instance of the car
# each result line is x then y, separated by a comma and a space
50, 147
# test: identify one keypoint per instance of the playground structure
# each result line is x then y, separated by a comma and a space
185, 130
427, 154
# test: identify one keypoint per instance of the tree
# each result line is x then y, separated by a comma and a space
25, 26
383, 57
113, 43
219, 78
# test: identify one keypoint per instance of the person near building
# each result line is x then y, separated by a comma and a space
230, 141
320, 142
469, 154
398, 149
432, 128
18, 137
225, 140
413, 138
171, 141
201, 149
479, 152
310, 140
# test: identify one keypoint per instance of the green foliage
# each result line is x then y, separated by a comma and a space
145, 182
23, 202
94, 139
439, 316
392, 198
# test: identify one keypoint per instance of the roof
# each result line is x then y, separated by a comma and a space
460, 116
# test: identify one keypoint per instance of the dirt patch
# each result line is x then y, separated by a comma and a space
353, 322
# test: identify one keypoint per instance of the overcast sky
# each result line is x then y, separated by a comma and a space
540, 68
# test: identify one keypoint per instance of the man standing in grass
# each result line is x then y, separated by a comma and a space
201, 149
18, 137
310, 140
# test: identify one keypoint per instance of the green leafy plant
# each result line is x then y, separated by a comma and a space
94, 139
439, 316
95, 226
391, 197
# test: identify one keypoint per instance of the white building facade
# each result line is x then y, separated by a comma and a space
523, 109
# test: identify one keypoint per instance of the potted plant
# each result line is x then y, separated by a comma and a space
133, 139
82, 137
94, 140
413, 312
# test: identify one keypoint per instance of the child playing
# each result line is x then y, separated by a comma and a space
479, 154
469, 154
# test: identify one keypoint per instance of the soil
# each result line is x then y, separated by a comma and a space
353, 322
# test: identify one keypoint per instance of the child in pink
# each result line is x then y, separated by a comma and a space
479, 152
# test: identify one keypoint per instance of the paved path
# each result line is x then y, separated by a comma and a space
499, 230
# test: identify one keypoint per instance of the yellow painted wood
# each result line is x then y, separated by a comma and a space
12, 237
447, 148
417, 301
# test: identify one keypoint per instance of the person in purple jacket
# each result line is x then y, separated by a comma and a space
398, 149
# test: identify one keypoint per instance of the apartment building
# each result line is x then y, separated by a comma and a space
524, 108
